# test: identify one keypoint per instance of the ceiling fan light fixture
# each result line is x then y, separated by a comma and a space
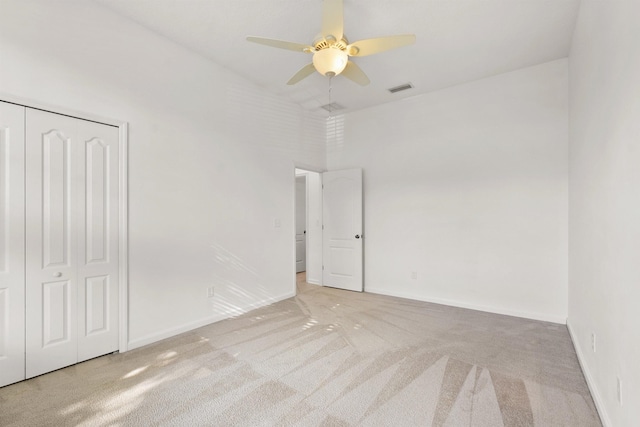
330, 61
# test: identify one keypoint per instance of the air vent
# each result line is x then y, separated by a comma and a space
400, 88
334, 106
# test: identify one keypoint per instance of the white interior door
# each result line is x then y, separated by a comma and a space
342, 234
301, 224
11, 243
71, 255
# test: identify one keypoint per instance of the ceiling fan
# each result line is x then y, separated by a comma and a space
331, 49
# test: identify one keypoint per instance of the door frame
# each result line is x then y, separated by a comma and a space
123, 197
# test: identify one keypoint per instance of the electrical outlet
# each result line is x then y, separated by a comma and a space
619, 390
277, 223
414, 275
593, 342
210, 292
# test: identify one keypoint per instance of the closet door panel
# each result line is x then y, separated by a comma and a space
56, 151
12, 344
51, 241
98, 241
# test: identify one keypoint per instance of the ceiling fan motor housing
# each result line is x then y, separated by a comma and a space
321, 43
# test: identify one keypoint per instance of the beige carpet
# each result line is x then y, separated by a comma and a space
325, 358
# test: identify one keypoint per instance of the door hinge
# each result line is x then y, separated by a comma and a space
323, 267
323, 226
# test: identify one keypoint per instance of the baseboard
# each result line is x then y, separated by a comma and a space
168, 333
516, 313
313, 282
597, 399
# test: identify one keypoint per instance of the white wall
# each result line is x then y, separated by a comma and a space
200, 140
604, 203
467, 186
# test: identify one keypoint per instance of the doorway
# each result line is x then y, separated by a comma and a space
301, 223
308, 226
328, 241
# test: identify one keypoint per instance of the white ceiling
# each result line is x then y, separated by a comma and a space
457, 40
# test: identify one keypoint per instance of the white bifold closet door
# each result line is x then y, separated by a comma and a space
71, 252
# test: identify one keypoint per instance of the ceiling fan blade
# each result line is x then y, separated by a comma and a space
380, 44
298, 47
355, 73
304, 72
332, 21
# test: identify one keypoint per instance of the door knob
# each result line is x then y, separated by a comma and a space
58, 274
357, 236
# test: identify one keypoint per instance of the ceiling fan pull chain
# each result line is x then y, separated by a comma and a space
330, 87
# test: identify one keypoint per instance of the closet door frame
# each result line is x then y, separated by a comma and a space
123, 232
